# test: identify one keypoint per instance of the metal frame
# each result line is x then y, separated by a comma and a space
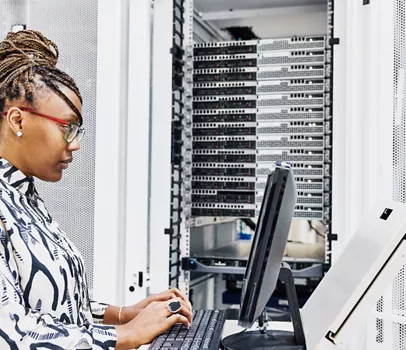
339, 126
178, 107
272, 11
145, 179
314, 271
184, 245
110, 187
138, 149
362, 168
386, 315
122, 151
329, 132
161, 172
340, 322
363, 136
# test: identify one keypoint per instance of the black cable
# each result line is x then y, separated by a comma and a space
317, 232
251, 224
291, 241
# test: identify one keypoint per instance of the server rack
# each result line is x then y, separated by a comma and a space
248, 105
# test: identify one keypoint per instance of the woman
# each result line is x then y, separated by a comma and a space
44, 295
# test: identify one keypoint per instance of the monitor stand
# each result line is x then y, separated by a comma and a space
273, 340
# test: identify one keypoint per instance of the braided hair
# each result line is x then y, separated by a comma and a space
24, 56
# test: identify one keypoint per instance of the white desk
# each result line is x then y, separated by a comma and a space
232, 327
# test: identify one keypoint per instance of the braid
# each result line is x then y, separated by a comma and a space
25, 55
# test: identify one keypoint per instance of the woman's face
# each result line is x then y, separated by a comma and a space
43, 150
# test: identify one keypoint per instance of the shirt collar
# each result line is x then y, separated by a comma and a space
15, 178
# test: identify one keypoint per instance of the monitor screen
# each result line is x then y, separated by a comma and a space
269, 243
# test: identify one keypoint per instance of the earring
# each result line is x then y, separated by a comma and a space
19, 133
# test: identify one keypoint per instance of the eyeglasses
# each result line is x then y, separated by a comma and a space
72, 130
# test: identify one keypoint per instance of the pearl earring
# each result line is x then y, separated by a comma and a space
19, 133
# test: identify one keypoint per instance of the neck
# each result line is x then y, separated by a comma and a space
14, 155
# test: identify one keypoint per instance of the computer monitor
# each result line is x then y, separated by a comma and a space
265, 260
269, 244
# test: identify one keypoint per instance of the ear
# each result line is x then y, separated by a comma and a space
14, 119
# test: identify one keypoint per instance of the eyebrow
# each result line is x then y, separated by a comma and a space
72, 117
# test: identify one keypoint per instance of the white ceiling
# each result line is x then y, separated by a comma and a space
267, 18
227, 5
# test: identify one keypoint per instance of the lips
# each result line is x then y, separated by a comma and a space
67, 161
63, 164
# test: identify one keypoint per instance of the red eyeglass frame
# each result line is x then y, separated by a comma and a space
64, 122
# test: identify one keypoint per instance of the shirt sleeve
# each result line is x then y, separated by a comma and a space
98, 311
24, 328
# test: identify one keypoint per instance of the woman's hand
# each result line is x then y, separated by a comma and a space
130, 312
151, 321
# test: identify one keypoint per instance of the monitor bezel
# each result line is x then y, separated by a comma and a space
276, 185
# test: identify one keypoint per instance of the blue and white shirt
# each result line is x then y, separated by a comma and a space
44, 301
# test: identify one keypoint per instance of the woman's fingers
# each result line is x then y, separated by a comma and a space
185, 311
155, 319
172, 294
179, 294
177, 318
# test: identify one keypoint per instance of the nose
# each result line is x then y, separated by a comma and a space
74, 145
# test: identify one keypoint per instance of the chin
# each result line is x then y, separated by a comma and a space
57, 177
53, 177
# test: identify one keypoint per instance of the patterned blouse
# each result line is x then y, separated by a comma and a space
44, 301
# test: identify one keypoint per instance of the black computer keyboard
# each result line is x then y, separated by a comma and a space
204, 333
